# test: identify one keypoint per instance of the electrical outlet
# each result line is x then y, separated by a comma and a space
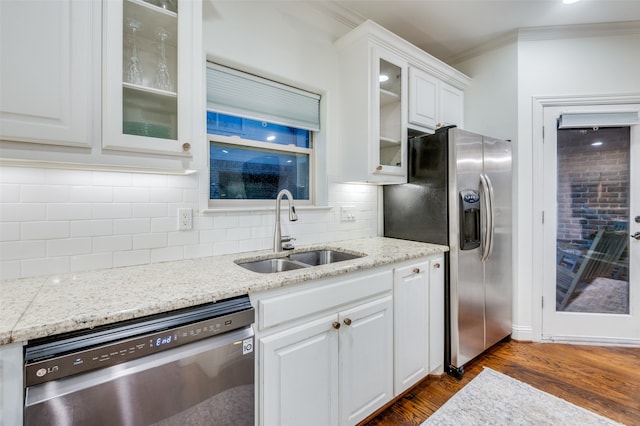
348, 213
185, 219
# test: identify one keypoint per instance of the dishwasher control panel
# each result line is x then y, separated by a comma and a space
93, 358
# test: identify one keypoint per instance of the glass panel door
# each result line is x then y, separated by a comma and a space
390, 114
591, 260
592, 241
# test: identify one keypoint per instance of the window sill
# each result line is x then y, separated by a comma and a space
261, 209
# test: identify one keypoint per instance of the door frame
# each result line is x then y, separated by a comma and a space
539, 103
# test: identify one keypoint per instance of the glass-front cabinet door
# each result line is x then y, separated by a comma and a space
391, 138
145, 90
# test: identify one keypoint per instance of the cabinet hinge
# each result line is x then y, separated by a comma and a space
542, 134
542, 302
543, 217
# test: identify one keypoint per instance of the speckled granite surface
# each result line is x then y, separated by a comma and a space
38, 307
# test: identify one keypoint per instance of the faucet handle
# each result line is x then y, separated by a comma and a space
288, 245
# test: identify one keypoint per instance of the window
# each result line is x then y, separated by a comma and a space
261, 138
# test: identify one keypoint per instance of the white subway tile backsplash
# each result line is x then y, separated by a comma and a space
151, 210
91, 194
56, 221
131, 226
10, 231
44, 194
112, 179
10, 270
165, 195
131, 195
22, 175
130, 258
111, 211
148, 241
182, 238
112, 243
68, 211
18, 212
91, 228
17, 250
9, 193
89, 262
212, 235
45, 230
46, 266
68, 246
167, 254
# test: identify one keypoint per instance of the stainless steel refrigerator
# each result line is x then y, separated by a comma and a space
459, 194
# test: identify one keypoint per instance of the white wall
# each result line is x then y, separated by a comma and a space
567, 62
56, 221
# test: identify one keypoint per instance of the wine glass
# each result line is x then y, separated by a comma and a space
163, 78
133, 72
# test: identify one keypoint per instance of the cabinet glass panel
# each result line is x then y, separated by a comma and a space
390, 114
149, 75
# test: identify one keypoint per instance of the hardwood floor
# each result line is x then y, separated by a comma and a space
604, 380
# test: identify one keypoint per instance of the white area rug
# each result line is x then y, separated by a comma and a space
493, 398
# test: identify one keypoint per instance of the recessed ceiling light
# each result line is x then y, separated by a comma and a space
570, 1
383, 78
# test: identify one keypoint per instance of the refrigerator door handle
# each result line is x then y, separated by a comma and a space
487, 217
492, 221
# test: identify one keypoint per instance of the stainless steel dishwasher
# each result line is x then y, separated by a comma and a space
188, 367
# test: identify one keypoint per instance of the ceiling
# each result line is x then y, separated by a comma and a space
447, 28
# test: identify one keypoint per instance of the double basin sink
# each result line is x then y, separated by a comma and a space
305, 259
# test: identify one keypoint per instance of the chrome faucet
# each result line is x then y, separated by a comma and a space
278, 239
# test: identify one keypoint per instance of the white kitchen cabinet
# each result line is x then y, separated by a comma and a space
373, 123
325, 350
411, 324
46, 57
148, 66
432, 102
423, 98
451, 105
436, 315
376, 116
366, 359
418, 297
300, 375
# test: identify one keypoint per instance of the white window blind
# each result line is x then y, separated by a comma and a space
577, 120
236, 93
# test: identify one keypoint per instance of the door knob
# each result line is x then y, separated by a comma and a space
636, 235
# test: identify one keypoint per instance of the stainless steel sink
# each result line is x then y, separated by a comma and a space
305, 259
269, 266
322, 257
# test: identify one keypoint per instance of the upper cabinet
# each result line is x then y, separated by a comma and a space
46, 67
147, 76
83, 81
388, 87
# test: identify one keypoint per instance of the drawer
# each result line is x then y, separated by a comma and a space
321, 295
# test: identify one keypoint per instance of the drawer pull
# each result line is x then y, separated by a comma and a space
336, 325
347, 321
436, 265
416, 270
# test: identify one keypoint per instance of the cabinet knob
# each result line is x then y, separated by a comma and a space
416, 270
347, 321
336, 325
186, 147
378, 168
436, 265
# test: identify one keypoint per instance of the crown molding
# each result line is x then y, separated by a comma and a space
579, 30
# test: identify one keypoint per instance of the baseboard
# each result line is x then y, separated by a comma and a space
594, 341
522, 333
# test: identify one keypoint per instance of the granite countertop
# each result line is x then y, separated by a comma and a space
44, 306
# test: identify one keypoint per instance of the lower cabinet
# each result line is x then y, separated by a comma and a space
333, 351
418, 292
320, 372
